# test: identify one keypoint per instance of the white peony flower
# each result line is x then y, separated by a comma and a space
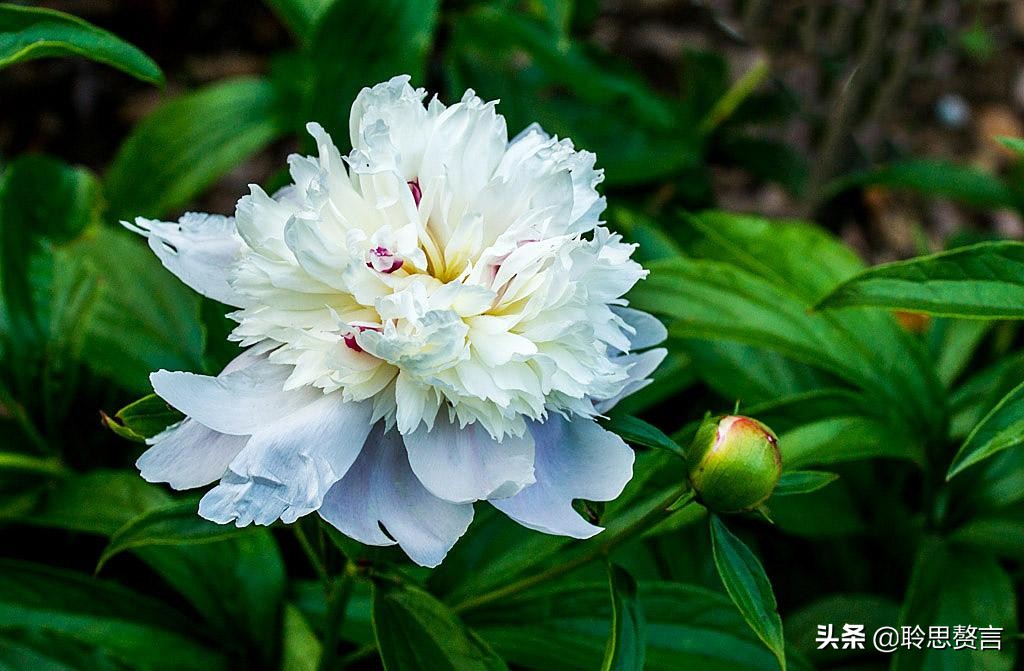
434, 320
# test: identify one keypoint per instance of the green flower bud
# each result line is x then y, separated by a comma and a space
734, 463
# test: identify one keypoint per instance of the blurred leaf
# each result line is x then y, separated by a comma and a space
142, 419
953, 343
300, 16
359, 44
803, 482
1001, 429
836, 439
980, 281
966, 185
566, 627
627, 643
975, 397
301, 648
639, 432
599, 103
13, 462
142, 320
1014, 143
177, 524
415, 631
996, 533
187, 144
116, 620
952, 586
770, 160
33, 32
748, 587
45, 650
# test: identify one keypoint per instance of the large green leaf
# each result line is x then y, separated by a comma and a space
237, 585
47, 650
566, 627
176, 524
34, 32
188, 143
301, 649
951, 586
359, 44
979, 281
745, 581
938, 179
415, 631
117, 620
1001, 429
627, 642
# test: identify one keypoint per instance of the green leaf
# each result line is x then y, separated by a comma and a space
748, 587
44, 650
954, 586
626, 645
566, 627
603, 105
953, 342
639, 432
32, 32
13, 462
997, 533
837, 439
359, 44
967, 185
981, 281
301, 648
1014, 143
803, 482
187, 144
415, 631
142, 319
112, 618
177, 524
1001, 429
142, 419
301, 16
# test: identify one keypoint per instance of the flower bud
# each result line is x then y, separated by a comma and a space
734, 463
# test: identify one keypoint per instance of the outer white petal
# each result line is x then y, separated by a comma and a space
380, 490
640, 367
466, 464
648, 330
576, 459
188, 455
285, 470
200, 249
237, 402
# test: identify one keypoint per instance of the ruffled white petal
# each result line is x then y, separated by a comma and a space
463, 464
380, 502
200, 249
576, 459
285, 470
640, 368
188, 455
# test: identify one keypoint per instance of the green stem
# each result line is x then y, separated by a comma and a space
337, 603
311, 553
647, 521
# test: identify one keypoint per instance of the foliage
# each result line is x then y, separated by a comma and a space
904, 474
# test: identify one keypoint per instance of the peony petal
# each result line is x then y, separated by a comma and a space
576, 459
285, 470
466, 464
649, 331
238, 402
200, 249
188, 455
640, 367
380, 490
